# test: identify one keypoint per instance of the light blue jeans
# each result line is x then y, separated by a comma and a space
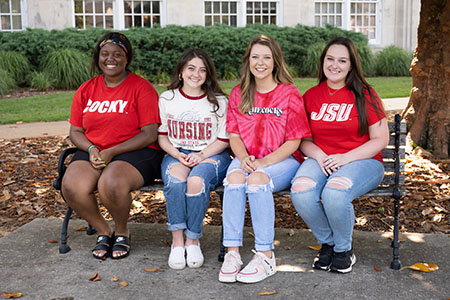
331, 220
261, 203
186, 211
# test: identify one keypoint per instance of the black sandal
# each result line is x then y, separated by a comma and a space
121, 243
103, 243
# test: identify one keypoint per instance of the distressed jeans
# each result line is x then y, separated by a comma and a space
261, 203
186, 211
328, 211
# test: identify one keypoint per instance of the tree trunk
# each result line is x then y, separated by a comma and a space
428, 111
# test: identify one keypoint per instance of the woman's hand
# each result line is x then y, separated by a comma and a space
332, 163
260, 163
248, 163
96, 160
195, 158
182, 157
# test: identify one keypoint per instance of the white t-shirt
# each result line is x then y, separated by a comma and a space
190, 122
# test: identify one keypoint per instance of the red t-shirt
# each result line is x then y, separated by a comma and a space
334, 119
276, 117
111, 116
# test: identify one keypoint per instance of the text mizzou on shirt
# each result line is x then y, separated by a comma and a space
111, 116
276, 117
190, 122
334, 119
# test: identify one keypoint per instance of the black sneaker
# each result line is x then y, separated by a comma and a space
342, 262
323, 259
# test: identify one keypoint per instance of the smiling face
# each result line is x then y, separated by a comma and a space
112, 60
194, 75
261, 62
336, 66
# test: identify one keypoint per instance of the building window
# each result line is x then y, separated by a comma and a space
142, 13
10, 15
357, 15
363, 16
94, 13
261, 12
221, 12
327, 12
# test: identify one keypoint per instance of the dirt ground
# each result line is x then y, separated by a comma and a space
28, 169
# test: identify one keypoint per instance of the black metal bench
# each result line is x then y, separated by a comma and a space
392, 185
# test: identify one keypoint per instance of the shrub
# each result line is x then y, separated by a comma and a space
160, 78
393, 61
41, 81
69, 68
16, 64
367, 59
7, 82
310, 65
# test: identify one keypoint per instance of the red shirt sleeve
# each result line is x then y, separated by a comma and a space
233, 109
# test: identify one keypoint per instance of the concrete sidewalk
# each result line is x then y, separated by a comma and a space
61, 128
30, 264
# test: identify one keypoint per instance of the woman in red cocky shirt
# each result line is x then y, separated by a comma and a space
349, 130
114, 124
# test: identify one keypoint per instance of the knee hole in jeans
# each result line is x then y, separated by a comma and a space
303, 184
258, 178
236, 177
178, 171
209, 161
340, 183
195, 185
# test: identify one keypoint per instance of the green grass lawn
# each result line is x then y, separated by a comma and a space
56, 107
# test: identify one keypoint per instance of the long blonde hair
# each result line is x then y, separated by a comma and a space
280, 72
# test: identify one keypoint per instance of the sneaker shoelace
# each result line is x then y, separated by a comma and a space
231, 260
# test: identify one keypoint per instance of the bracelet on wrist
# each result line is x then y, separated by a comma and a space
92, 147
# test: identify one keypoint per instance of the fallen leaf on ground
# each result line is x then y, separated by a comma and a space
287, 248
153, 270
376, 268
52, 241
95, 277
315, 247
7, 295
123, 283
423, 267
165, 242
401, 238
6, 196
291, 232
251, 234
114, 278
265, 293
81, 228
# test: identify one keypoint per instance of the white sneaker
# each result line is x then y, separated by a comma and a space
230, 268
194, 255
176, 258
259, 268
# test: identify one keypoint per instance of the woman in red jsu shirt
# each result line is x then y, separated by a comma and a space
349, 130
114, 122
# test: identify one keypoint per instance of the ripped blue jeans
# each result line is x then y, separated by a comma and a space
185, 211
328, 211
261, 203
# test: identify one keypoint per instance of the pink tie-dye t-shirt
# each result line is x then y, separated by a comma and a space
276, 117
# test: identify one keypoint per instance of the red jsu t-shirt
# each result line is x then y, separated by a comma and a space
276, 117
334, 119
111, 116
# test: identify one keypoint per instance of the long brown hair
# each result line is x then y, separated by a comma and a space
210, 86
280, 72
355, 82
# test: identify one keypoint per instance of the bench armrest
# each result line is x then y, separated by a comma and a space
62, 166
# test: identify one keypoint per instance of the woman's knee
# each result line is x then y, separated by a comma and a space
178, 171
258, 178
236, 177
301, 184
195, 185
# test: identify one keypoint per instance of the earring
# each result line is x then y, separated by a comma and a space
179, 77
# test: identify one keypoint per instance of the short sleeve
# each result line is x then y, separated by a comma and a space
297, 125
233, 111
147, 105
221, 130
163, 116
76, 110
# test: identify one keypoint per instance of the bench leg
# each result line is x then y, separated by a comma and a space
395, 264
90, 230
63, 247
221, 256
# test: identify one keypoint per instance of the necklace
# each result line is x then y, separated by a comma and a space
332, 93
